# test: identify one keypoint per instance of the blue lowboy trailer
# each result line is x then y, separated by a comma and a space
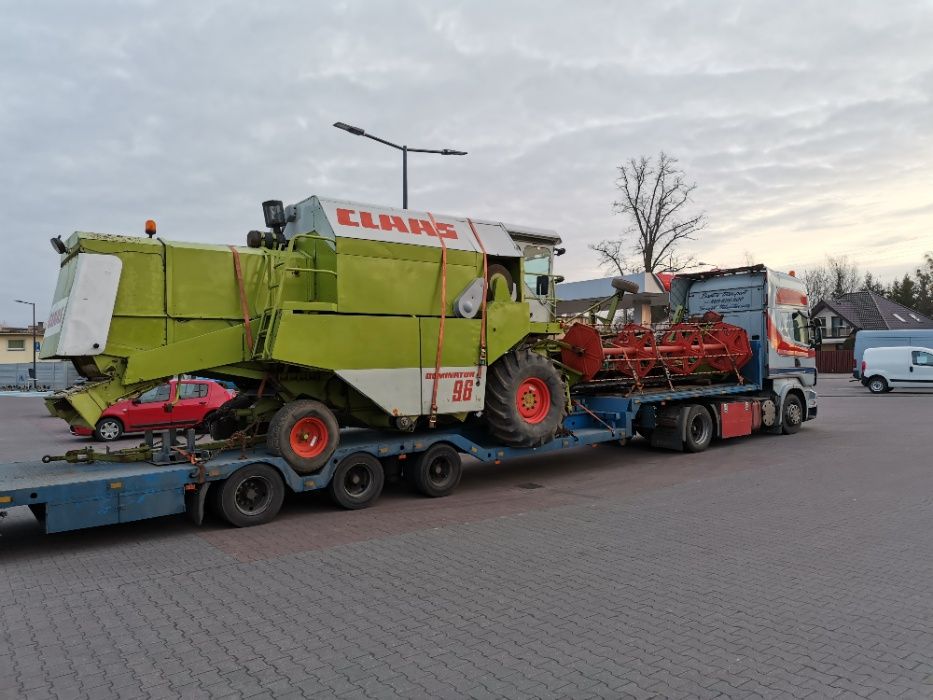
245, 485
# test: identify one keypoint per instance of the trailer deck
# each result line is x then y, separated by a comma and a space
68, 496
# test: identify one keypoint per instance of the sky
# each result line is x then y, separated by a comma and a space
807, 126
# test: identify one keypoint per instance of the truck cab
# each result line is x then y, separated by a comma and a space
772, 308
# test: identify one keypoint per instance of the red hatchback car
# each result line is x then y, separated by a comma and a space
181, 403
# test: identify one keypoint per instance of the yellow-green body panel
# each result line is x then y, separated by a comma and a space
321, 306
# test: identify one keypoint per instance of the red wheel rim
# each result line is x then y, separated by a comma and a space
533, 400
309, 437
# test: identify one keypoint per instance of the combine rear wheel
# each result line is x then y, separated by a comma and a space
305, 433
524, 399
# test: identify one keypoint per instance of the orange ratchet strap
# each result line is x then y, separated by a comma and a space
244, 305
432, 419
482, 333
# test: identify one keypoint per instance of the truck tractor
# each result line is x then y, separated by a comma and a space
339, 314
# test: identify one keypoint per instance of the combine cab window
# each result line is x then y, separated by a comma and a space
537, 269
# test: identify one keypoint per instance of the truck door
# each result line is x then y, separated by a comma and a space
921, 368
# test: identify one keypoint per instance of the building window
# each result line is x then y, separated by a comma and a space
839, 328
13, 344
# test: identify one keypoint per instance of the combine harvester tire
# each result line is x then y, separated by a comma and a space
304, 433
525, 402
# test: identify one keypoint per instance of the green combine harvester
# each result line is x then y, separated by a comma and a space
340, 314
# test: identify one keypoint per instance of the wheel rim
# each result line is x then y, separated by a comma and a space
876, 386
308, 437
699, 430
253, 495
533, 400
357, 480
439, 471
109, 430
793, 413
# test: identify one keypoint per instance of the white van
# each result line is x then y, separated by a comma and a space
883, 369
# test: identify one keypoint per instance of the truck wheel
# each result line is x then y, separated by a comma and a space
357, 481
252, 495
108, 429
877, 385
791, 414
305, 433
699, 429
437, 471
524, 399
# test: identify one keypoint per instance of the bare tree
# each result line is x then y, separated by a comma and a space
844, 277
612, 255
835, 277
816, 280
655, 199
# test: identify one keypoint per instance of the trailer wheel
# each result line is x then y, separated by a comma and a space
357, 481
877, 385
437, 471
791, 414
699, 433
305, 433
108, 429
252, 495
524, 399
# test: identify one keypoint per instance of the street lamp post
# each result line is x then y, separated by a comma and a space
357, 131
35, 376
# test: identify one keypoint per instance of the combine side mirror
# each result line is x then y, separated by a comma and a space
542, 285
274, 213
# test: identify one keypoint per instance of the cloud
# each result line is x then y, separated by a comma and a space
808, 128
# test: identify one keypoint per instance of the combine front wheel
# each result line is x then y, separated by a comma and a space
305, 433
524, 399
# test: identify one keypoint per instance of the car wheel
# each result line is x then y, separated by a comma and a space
108, 429
877, 385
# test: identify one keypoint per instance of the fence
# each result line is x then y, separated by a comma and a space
53, 375
835, 361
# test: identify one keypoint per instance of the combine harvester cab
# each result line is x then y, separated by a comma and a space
340, 314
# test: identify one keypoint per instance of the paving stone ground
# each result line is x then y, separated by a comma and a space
797, 566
